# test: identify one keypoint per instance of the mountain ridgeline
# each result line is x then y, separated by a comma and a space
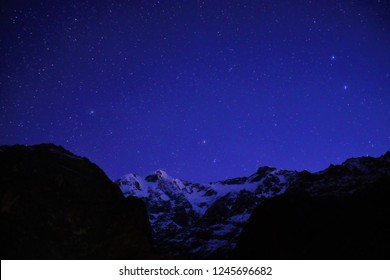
342, 212
57, 205
191, 220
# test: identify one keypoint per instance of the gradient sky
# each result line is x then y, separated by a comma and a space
205, 90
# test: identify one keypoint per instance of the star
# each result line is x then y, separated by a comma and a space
253, 88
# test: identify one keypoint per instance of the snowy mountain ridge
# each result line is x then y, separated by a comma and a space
206, 218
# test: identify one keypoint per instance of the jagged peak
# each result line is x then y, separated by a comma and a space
261, 172
162, 175
352, 163
159, 174
363, 162
265, 169
129, 177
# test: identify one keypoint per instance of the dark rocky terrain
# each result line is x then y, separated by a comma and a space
342, 212
56, 205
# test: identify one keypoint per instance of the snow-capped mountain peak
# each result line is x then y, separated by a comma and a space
192, 219
179, 209
162, 175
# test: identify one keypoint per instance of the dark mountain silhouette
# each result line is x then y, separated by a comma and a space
56, 205
342, 212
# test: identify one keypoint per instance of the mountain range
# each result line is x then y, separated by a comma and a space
192, 220
198, 221
57, 205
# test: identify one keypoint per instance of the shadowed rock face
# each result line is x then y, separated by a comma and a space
340, 213
200, 221
56, 205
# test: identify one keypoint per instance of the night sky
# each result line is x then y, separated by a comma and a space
205, 90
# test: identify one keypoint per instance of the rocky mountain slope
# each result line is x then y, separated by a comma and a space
191, 220
56, 205
202, 221
342, 212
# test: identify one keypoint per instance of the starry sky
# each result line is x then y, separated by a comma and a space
205, 90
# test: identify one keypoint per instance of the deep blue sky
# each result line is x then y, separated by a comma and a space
202, 89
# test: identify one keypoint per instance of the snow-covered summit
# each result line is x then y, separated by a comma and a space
205, 220
178, 209
162, 175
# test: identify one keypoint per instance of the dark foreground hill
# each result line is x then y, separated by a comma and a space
342, 212
56, 205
